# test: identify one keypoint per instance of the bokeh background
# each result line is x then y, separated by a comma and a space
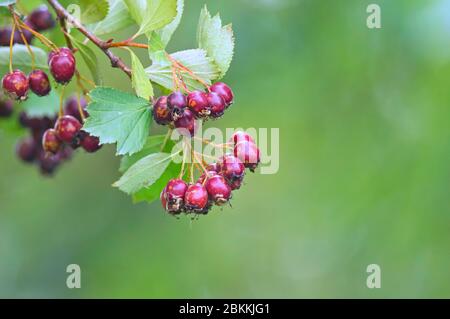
364, 118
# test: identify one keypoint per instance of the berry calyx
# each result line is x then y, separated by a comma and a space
196, 199
89, 143
26, 150
186, 123
39, 82
161, 112
198, 103
50, 141
216, 104
218, 189
224, 91
6, 108
241, 136
71, 107
15, 85
248, 153
174, 195
62, 65
67, 127
176, 102
41, 19
232, 168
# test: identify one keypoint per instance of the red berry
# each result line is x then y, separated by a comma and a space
39, 83
71, 107
15, 85
202, 179
67, 128
41, 19
48, 163
6, 108
174, 195
161, 112
62, 51
218, 189
224, 91
196, 199
91, 144
26, 150
232, 168
216, 104
51, 142
198, 103
248, 153
240, 136
62, 66
186, 123
176, 102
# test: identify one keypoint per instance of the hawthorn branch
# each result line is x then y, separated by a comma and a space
62, 14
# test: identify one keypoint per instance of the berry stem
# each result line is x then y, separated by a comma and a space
166, 139
80, 109
11, 42
180, 66
61, 101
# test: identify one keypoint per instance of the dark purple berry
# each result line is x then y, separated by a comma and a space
198, 103
216, 104
48, 163
196, 199
27, 149
62, 66
6, 108
248, 153
39, 82
15, 85
41, 19
224, 91
71, 107
218, 189
174, 194
67, 128
161, 112
186, 123
51, 142
5, 36
176, 102
89, 143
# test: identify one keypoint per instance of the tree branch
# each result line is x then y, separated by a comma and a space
62, 13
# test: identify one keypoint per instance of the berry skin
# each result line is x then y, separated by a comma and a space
163, 199
248, 153
48, 163
39, 83
26, 150
232, 168
62, 66
67, 128
6, 108
240, 136
71, 108
15, 85
202, 179
186, 123
89, 143
176, 102
196, 199
215, 167
174, 194
5, 36
51, 142
216, 104
41, 19
62, 51
236, 184
161, 112
224, 91
198, 103
218, 190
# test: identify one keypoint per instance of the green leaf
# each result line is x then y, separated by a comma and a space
144, 173
165, 34
152, 15
117, 19
89, 58
196, 60
139, 79
22, 59
5, 3
37, 106
87, 11
152, 192
118, 117
217, 40
153, 145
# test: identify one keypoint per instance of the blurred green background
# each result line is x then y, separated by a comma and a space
364, 173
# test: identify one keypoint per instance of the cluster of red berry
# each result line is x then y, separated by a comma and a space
216, 184
181, 111
39, 20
